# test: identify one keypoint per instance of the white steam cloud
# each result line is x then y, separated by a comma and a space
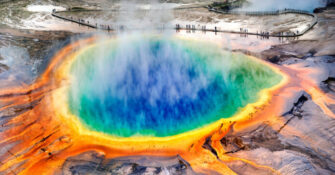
144, 16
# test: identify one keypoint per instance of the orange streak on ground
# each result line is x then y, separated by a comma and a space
311, 87
46, 140
203, 161
216, 144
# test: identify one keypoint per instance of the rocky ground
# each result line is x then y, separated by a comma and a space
97, 164
303, 145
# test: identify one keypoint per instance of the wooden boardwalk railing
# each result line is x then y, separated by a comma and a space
277, 12
262, 13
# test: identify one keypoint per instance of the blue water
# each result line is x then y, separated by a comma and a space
160, 87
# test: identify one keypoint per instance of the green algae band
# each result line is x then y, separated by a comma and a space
152, 86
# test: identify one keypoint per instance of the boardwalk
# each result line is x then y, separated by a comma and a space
189, 27
268, 13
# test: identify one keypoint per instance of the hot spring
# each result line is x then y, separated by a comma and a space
156, 86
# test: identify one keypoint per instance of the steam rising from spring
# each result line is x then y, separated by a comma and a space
144, 16
159, 86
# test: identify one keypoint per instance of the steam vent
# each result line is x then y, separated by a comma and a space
159, 87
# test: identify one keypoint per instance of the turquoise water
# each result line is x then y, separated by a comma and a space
160, 87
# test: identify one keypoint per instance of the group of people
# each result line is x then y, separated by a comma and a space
192, 27
263, 33
101, 26
242, 30
189, 27
289, 33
